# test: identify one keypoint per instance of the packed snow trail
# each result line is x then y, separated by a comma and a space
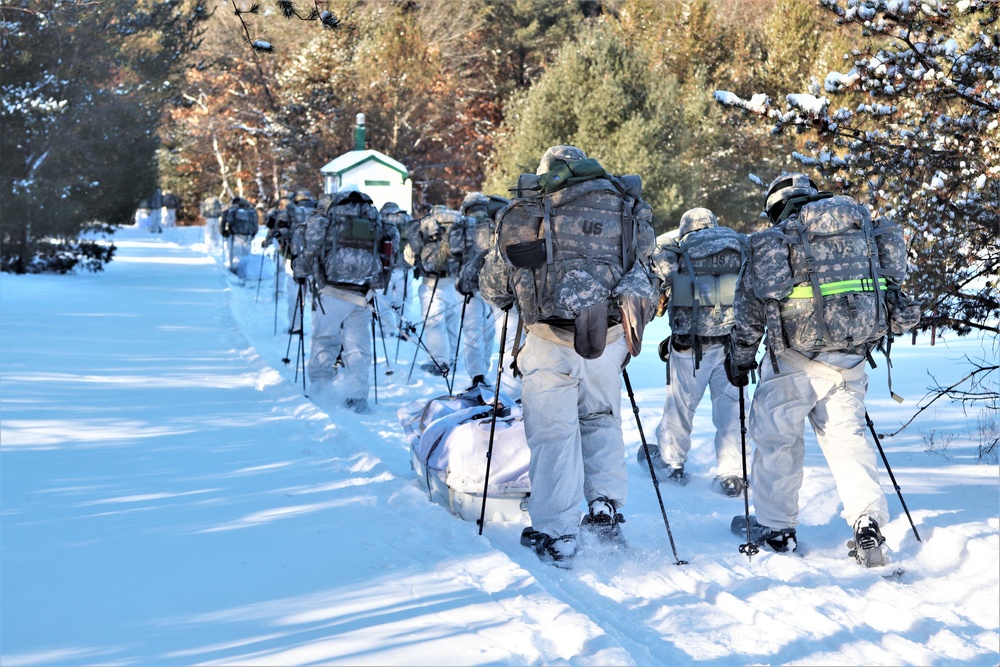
170, 497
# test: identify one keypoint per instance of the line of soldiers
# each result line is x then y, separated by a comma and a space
572, 266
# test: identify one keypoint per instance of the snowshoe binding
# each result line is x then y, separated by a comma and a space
670, 473
779, 540
866, 547
558, 551
730, 486
603, 522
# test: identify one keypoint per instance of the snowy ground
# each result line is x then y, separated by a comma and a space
169, 497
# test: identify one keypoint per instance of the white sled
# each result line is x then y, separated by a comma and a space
449, 438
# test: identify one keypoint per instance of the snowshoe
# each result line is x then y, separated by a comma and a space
603, 521
731, 486
558, 551
358, 405
866, 547
780, 540
673, 474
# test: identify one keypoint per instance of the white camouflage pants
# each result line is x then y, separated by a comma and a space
830, 392
235, 248
390, 303
478, 336
572, 421
440, 315
509, 384
684, 393
341, 326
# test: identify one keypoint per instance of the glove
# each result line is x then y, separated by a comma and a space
661, 306
634, 311
738, 376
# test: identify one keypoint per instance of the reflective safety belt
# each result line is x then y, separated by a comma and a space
839, 287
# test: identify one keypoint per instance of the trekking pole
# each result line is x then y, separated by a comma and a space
277, 259
260, 275
291, 329
750, 549
458, 343
374, 359
652, 471
871, 427
381, 328
402, 311
420, 337
493, 423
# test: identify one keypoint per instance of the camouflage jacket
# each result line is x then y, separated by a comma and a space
714, 255
828, 243
500, 281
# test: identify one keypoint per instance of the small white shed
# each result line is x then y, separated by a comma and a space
374, 173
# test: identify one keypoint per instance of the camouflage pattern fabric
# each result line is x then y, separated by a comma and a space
470, 240
828, 242
590, 224
343, 242
705, 264
211, 208
429, 242
401, 220
695, 219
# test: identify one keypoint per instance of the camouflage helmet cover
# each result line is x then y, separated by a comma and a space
562, 152
783, 188
302, 195
389, 207
474, 199
695, 219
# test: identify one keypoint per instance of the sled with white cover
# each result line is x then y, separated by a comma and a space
449, 437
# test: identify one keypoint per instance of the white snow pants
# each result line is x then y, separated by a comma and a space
341, 325
213, 238
573, 425
829, 391
440, 314
509, 384
478, 336
684, 393
390, 303
236, 247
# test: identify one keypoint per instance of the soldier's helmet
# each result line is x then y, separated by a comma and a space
563, 152
302, 195
783, 188
389, 207
475, 202
695, 219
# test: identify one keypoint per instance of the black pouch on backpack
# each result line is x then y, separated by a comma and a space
590, 334
527, 255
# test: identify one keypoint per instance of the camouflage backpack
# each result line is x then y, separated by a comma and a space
401, 220
303, 210
472, 238
705, 269
211, 208
429, 240
241, 220
830, 276
571, 236
345, 242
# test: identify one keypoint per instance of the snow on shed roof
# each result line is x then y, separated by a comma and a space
351, 159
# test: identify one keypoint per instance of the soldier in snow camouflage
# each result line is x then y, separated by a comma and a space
347, 251
575, 262
698, 272
819, 283
430, 253
391, 299
469, 240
